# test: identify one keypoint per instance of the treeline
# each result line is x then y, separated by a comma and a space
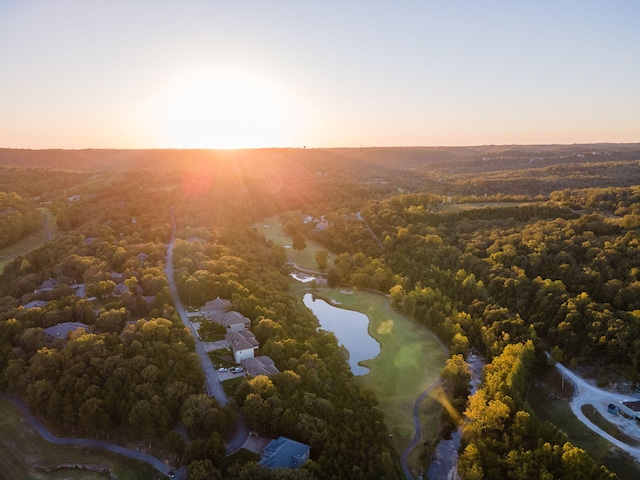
137, 379
132, 367
534, 275
18, 218
134, 371
314, 399
501, 439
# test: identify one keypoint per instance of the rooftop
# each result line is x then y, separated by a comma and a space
63, 329
285, 453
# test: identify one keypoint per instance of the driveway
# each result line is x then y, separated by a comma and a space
587, 394
91, 442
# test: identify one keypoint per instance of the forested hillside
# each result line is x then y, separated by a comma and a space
548, 263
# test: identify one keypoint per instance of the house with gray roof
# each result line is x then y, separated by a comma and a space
35, 304
215, 307
62, 330
232, 321
243, 344
261, 365
284, 453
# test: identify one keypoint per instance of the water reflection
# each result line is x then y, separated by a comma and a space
350, 328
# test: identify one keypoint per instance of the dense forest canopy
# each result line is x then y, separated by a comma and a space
548, 263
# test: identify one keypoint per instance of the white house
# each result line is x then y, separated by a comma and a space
243, 344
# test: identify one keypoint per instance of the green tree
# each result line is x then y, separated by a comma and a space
299, 242
322, 259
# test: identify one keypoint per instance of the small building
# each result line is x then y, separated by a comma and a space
119, 289
262, 365
631, 409
47, 286
232, 321
62, 330
284, 453
215, 307
243, 344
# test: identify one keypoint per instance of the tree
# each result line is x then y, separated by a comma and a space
299, 242
322, 259
175, 444
203, 470
333, 278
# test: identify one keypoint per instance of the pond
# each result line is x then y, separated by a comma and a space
350, 328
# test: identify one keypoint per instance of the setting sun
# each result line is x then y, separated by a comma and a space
223, 109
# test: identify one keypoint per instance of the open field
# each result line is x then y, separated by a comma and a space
410, 359
35, 240
557, 411
461, 207
25, 454
271, 228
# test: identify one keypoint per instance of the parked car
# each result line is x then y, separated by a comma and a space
223, 369
236, 369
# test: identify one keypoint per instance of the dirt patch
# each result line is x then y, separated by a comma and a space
554, 384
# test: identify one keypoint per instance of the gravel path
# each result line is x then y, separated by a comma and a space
91, 442
587, 394
418, 429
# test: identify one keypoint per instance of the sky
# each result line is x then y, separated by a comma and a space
330, 73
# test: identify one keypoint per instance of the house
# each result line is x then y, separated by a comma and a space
631, 409
243, 344
262, 365
47, 286
215, 307
119, 289
284, 453
62, 330
232, 321
35, 304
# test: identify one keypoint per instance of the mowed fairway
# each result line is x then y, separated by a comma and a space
271, 228
25, 454
410, 359
27, 244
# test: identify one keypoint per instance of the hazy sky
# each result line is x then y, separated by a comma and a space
240, 73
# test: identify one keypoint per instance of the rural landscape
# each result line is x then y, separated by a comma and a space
460, 312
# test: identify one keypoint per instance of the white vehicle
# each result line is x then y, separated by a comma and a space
223, 369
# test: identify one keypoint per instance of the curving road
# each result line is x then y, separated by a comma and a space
212, 379
417, 425
90, 442
587, 394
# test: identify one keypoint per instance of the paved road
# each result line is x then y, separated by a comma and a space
212, 379
90, 442
418, 430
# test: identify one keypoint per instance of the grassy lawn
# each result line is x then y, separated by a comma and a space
271, 228
28, 243
25, 454
460, 207
410, 359
557, 411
